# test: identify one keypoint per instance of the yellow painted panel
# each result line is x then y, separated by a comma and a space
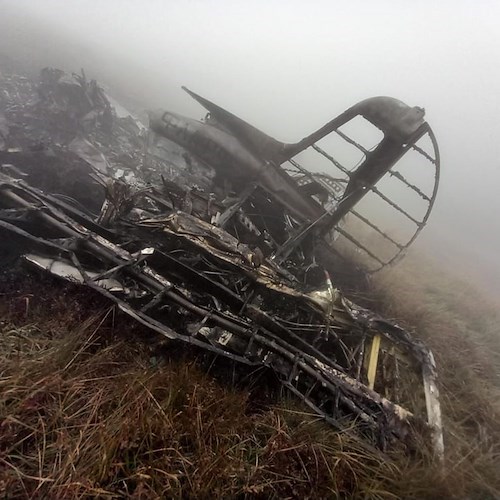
373, 361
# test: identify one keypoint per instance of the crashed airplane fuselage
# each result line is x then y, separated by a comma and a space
248, 271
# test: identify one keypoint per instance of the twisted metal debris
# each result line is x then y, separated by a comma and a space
247, 269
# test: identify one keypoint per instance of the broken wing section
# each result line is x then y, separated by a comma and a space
194, 283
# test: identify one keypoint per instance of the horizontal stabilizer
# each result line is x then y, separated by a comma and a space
259, 143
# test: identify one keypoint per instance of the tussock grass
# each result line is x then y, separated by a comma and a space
462, 327
90, 408
86, 414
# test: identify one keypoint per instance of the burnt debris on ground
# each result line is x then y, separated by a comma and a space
213, 234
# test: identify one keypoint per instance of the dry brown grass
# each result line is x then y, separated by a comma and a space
88, 408
462, 327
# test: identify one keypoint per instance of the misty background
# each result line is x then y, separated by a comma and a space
288, 67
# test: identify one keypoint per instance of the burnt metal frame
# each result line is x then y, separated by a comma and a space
304, 369
346, 205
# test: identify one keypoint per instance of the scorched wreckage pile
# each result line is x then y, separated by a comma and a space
217, 235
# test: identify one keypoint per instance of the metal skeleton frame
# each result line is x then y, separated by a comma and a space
336, 188
314, 354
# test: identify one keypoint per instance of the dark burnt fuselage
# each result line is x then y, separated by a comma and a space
231, 159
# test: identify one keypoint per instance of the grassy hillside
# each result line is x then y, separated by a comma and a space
93, 406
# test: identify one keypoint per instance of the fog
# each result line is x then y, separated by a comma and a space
287, 67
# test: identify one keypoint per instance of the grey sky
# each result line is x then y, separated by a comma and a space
289, 66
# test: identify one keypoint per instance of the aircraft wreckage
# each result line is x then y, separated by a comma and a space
214, 234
